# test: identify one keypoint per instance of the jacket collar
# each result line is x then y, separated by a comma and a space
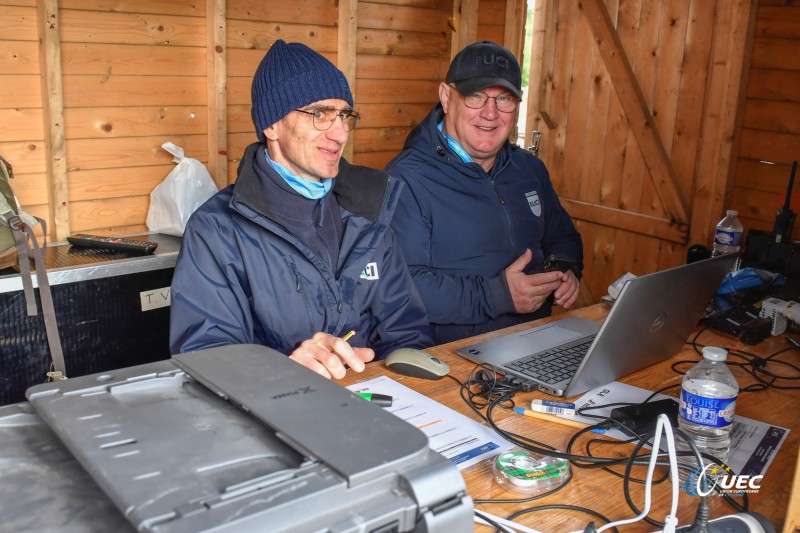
427, 138
359, 190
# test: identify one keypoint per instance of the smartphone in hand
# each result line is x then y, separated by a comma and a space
551, 264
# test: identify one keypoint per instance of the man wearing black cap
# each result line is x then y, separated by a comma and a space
478, 212
298, 253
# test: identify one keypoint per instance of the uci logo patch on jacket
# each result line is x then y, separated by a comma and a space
534, 203
370, 271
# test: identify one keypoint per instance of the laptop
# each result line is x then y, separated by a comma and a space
648, 323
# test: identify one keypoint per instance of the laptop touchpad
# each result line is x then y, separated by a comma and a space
547, 337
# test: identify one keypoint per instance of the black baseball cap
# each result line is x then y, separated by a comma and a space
485, 64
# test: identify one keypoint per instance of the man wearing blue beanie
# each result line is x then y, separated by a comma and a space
298, 253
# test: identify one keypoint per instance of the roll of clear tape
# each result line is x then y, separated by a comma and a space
519, 471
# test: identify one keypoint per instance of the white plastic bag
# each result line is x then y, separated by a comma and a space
184, 189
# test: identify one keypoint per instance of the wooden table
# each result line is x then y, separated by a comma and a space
599, 490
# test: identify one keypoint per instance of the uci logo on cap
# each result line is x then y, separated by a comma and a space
492, 59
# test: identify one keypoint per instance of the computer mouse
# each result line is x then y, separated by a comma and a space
416, 363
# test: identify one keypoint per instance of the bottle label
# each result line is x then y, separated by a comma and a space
710, 412
727, 237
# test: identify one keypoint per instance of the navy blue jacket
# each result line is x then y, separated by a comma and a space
460, 227
243, 278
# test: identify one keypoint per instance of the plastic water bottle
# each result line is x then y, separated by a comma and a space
708, 400
728, 236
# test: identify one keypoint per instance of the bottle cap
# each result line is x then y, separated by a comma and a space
732, 213
714, 353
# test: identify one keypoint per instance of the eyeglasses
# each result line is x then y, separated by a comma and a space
507, 103
325, 117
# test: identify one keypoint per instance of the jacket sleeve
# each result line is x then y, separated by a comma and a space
449, 298
398, 311
209, 304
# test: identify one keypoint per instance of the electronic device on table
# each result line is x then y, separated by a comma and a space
114, 244
552, 263
649, 322
239, 437
775, 250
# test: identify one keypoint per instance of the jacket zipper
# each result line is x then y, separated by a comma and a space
299, 289
506, 213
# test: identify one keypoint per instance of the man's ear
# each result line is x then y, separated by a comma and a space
444, 95
271, 132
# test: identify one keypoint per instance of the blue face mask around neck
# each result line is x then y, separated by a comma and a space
311, 189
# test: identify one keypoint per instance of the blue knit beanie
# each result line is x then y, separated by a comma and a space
289, 77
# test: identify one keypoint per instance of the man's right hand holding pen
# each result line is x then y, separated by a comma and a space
327, 355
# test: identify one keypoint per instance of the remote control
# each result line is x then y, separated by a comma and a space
116, 244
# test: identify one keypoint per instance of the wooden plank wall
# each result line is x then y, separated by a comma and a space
21, 118
136, 74
492, 21
403, 51
130, 80
771, 123
637, 101
252, 28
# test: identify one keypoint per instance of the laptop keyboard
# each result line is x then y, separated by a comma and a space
553, 365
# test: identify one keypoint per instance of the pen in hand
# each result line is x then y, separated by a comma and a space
348, 335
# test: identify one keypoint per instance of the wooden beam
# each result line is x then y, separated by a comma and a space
216, 80
626, 220
53, 117
346, 53
639, 116
514, 32
464, 24
540, 74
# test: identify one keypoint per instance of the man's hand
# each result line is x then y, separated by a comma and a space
567, 292
530, 291
326, 355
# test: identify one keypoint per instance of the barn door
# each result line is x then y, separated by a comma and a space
636, 102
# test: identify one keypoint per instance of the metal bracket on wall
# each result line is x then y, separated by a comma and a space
536, 138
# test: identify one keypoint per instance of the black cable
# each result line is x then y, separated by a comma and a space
497, 393
491, 522
525, 442
657, 481
564, 508
754, 365
636, 459
698, 457
661, 391
484, 378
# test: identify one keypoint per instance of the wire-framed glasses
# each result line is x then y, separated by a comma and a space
507, 103
325, 117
